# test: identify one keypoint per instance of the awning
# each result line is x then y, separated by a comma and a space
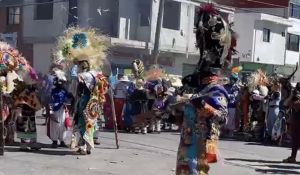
254, 3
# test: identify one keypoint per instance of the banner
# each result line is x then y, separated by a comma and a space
254, 3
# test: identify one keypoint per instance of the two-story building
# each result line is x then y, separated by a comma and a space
269, 37
292, 41
129, 24
11, 26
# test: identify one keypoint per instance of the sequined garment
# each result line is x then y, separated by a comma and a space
199, 128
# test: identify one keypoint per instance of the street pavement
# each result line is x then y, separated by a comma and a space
151, 154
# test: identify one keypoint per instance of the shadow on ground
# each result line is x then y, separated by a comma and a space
43, 151
269, 166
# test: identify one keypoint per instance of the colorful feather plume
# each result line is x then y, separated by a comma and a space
237, 69
256, 79
13, 61
155, 73
138, 69
79, 44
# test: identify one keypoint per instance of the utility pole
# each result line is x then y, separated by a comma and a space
158, 31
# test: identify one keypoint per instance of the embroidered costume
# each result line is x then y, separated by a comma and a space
82, 52
207, 109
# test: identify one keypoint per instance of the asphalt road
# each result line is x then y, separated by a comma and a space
152, 154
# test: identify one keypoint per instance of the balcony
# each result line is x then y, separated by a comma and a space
275, 19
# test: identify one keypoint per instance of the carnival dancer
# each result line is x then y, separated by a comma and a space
257, 84
170, 100
92, 87
87, 49
139, 101
85, 86
18, 82
273, 108
233, 91
293, 102
47, 86
130, 108
207, 111
27, 104
158, 108
59, 120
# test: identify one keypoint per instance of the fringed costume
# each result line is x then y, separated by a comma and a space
207, 109
139, 101
58, 122
83, 51
18, 81
258, 90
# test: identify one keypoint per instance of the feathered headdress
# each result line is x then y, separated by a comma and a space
138, 69
155, 73
258, 78
216, 43
79, 44
13, 61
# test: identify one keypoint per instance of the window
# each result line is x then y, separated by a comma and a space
144, 12
44, 10
13, 15
294, 11
171, 18
266, 35
293, 42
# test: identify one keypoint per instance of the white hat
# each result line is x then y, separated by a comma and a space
124, 79
60, 75
171, 90
256, 92
176, 82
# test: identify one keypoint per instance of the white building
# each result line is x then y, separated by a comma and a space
269, 38
130, 24
293, 34
261, 35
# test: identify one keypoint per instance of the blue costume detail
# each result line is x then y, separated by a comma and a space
59, 96
233, 91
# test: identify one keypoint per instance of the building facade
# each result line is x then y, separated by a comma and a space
129, 24
11, 26
269, 38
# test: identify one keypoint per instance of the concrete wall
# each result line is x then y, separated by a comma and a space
45, 28
103, 14
176, 40
244, 25
272, 52
293, 57
41, 55
181, 59
128, 19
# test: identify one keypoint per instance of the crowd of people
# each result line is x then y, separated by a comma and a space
76, 94
132, 98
